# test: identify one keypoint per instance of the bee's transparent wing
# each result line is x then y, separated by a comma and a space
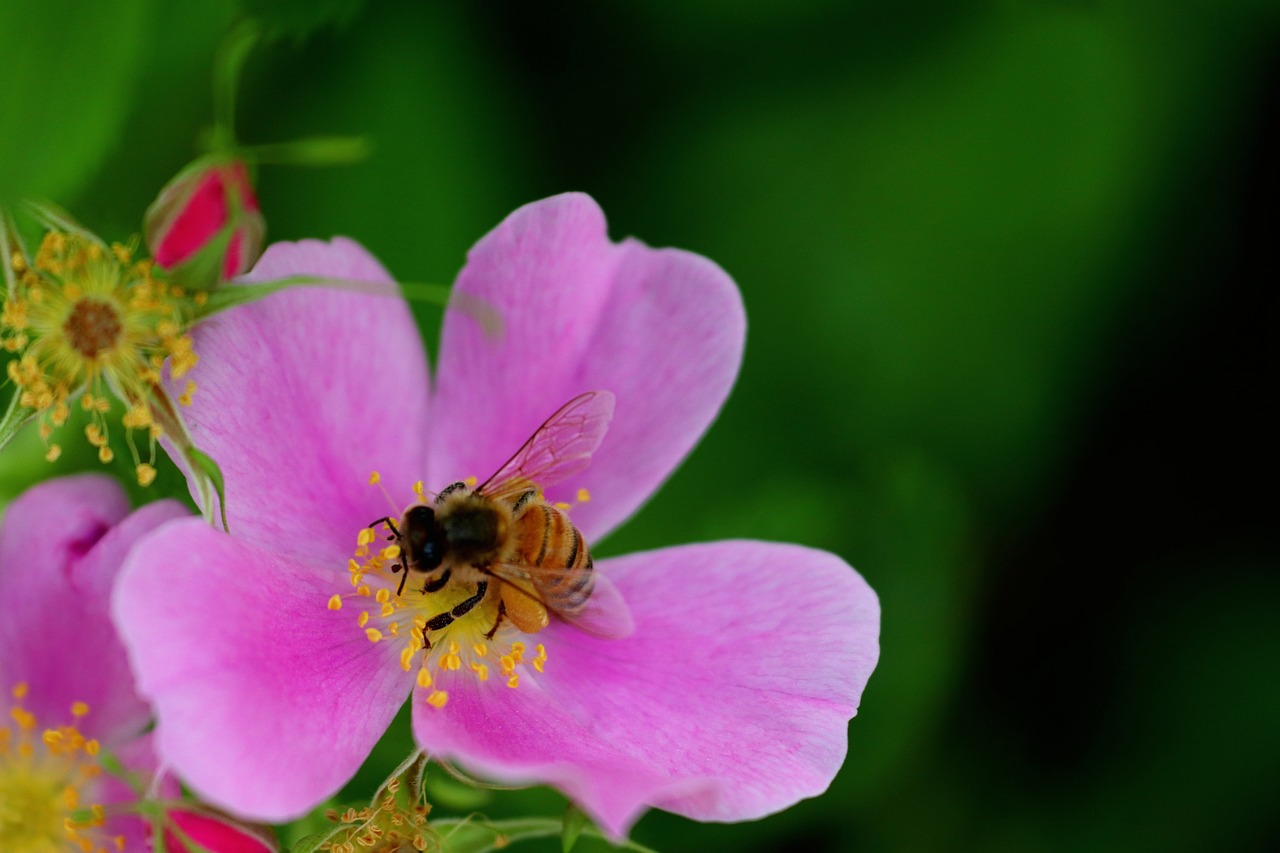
605, 613
560, 448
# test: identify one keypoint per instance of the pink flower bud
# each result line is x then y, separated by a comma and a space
194, 211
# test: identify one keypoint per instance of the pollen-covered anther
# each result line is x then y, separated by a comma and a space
47, 784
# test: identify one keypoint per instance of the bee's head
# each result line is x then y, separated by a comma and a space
424, 539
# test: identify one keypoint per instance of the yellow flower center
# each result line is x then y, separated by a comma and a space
47, 778
478, 644
87, 318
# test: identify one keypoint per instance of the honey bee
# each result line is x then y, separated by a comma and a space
503, 536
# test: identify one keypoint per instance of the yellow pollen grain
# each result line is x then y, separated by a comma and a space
52, 738
471, 481
583, 496
363, 619
105, 455
92, 747
20, 690
373, 634
53, 453
388, 609
406, 658
438, 698
424, 679
417, 489
508, 664
390, 552
365, 536
79, 709
562, 506
146, 474
481, 671
451, 662
335, 602
185, 397
383, 596
374, 477
480, 649
513, 681
364, 590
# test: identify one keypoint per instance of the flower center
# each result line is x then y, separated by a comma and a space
45, 777
475, 640
93, 327
83, 317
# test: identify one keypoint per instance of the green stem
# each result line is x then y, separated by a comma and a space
15, 418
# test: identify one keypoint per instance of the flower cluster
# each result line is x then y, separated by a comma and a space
714, 680
86, 318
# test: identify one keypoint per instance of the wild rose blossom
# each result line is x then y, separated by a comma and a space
728, 701
68, 698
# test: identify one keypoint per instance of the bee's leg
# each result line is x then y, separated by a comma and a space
462, 608
437, 584
396, 567
502, 611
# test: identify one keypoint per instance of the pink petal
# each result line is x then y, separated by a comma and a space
60, 548
662, 329
214, 834
266, 701
304, 393
730, 701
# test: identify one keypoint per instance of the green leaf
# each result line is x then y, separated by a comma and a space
575, 820
207, 466
68, 77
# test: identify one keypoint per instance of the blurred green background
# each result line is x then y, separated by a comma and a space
1004, 268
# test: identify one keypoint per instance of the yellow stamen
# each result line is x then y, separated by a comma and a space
438, 698
335, 602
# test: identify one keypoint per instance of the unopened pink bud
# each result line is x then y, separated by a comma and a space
195, 208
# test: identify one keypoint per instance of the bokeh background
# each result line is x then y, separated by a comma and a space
1005, 267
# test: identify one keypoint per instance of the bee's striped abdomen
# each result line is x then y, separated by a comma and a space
555, 554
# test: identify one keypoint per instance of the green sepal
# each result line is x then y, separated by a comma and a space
464, 835
433, 294
207, 466
575, 820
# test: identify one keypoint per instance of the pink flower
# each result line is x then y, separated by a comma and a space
729, 700
195, 207
68, 698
